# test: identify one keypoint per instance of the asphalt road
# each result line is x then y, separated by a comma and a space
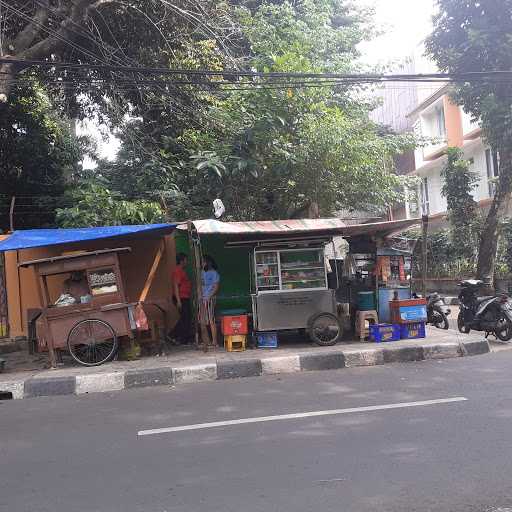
83, 454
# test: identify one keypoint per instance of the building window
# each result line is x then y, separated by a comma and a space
433, 125
440, 121
492, 164
424, 197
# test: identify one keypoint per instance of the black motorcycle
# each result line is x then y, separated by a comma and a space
437, 311
492, 315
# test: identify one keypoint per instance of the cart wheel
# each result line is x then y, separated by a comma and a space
324, 329
92, 342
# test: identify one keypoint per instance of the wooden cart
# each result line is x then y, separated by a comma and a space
90, 328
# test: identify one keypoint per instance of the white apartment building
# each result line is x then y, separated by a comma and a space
431, 114
439, 118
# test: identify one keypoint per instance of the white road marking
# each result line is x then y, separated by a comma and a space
299, 415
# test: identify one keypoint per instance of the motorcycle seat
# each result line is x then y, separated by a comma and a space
471, 282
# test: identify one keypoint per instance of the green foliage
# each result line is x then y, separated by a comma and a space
38, 153
95, 205
153, 33
444, 257
446, 260
304, 35
505, 249
272, 152
463, 212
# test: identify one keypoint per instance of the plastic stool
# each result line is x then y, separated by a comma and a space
235, 343
362, 330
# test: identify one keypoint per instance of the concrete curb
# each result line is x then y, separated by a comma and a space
234, 369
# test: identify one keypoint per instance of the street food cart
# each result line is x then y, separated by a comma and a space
91, 327
393, 278
291, 290
379, 272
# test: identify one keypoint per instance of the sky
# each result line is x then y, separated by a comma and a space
405, 24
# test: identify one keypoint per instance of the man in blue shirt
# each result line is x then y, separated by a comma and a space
210, 281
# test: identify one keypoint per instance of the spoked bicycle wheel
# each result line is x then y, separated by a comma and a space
324, 329
92, 342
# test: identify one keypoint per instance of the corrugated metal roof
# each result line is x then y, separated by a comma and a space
266, 227
380, 228
254, 229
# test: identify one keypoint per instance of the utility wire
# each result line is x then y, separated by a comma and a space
82, 33
122, 63
52, 32
435, 77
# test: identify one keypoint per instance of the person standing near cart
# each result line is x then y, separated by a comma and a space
182, 291
210, 281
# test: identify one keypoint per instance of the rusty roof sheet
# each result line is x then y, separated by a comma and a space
331, 227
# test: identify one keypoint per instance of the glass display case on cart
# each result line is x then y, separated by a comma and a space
291, 292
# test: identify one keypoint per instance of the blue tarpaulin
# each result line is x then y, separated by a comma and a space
30, 238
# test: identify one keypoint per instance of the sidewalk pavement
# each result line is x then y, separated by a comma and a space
193, 366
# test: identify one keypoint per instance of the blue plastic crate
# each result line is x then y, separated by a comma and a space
413, 331
384, 332
266, 339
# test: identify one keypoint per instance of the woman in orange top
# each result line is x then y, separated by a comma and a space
182, 292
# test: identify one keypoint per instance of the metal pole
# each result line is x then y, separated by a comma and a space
201, 334
11, 213
335, 264
424, 222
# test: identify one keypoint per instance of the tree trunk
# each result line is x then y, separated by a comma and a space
489, 238
25, 46
6, 77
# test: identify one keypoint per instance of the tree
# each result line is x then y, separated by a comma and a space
32, 33
90, 34
38, 154
273, 151
135, 33
95, 205
463, 215
474, 36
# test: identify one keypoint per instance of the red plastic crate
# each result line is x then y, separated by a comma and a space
235, 325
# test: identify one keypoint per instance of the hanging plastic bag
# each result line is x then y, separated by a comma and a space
141, 320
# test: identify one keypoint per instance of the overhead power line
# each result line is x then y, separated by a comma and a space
356, 78
52, 33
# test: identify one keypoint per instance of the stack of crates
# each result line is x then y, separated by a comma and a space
411, 314
235, 329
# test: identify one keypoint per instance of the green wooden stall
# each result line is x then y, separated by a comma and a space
234, 270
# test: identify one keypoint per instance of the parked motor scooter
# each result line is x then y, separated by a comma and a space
437, 311
492, 314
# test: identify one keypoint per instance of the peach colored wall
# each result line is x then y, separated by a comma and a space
453, 120
22, 288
